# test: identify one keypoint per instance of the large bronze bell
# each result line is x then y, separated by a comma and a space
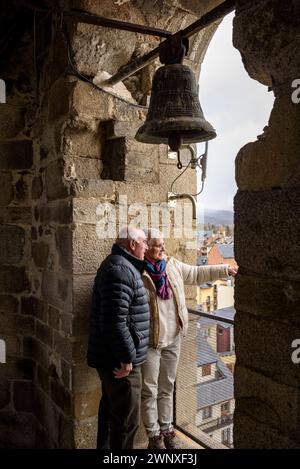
175, 116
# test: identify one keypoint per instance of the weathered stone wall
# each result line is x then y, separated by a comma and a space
267, 214
35, 243
17, 155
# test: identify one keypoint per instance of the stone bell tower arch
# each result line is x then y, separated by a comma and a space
55, 132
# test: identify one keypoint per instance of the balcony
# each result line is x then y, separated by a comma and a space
204, 399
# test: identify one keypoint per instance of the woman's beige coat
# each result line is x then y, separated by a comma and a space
179, 274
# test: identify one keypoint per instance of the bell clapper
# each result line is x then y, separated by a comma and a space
179, 164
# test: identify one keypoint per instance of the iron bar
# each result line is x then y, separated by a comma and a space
217, 13
212, 316
83, 17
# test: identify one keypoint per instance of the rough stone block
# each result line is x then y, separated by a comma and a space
79, 348
37, 187
88, 249
87, 168
16, 215
12, 240
6, 194
140, 192
16, 323
47, 413
261, 34
62, 345
9, 304
82, 294
23, 397
267, 347
63, 236
117, 129
124, 159
23, 189
66, 433
18, 430
267, 401
4, 393
88, 43
276, 148
17, 368
16, 154
86, 404
36, 350
265, 224
59, 99
84, 378
57, 290
53, 317
81, 143
61, 397
80, 326
268, 298
11, 120
34, 307
93, 188
66, 323
250, 434
56, 212
13, 279
55, 186
89, 103
40, 253
66, 375
167, 175
85, 210
43, 378
44, 333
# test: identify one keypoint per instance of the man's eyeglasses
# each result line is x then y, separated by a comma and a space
144, 241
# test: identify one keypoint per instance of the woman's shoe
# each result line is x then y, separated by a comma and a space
171, 441
156, 442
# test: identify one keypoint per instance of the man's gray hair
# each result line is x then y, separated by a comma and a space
127, 233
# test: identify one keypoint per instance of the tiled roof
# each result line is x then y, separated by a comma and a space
226, 250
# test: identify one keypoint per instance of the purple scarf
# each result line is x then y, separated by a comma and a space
157, 272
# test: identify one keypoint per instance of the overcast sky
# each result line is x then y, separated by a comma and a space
237, 106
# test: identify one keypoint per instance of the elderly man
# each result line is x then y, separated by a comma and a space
118, 340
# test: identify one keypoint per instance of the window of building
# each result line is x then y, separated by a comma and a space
225, 408
206, 370
206, 412
226, 436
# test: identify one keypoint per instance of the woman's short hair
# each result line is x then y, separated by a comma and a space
153, 233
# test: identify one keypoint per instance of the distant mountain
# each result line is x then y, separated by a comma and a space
218, 217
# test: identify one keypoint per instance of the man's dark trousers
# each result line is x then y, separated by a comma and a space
119, 410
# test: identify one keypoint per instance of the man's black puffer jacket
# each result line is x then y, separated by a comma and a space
119, 323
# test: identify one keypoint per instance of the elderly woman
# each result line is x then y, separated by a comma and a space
164, 279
